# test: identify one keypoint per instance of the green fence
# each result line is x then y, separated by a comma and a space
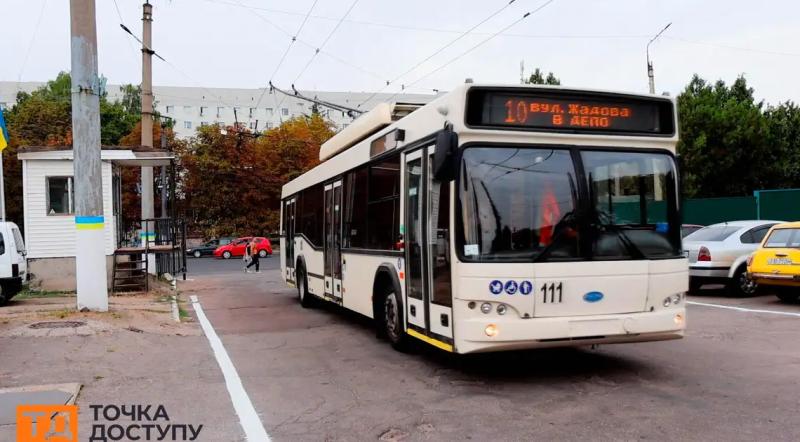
779, 204
783, 205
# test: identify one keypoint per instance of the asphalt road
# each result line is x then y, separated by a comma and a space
322, 375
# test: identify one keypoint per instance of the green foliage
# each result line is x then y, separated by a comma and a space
538, 77
232, 181
44, 118
731, 146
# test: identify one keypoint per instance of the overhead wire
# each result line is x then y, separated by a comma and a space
324, 42
439, 51
481, 43
30, 44
426, 29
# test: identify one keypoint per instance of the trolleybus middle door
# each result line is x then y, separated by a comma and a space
333, 239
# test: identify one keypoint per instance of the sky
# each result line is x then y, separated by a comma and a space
587, 43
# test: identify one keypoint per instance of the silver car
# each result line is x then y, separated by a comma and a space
718, 254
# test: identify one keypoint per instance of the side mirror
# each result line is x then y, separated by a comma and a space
445, 155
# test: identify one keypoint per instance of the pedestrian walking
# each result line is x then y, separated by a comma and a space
252, 250
247, 258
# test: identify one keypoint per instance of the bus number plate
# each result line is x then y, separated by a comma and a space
551, 292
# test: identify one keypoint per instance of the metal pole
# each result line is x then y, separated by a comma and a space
2, 188
650, 77
164, 173
148, 211
90, 258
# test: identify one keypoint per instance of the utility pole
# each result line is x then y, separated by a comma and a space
90, 257
164, 172
650, 77
148, 210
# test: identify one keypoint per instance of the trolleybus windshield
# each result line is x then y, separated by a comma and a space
530, 204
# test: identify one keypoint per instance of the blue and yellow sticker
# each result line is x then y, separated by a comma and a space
89, 222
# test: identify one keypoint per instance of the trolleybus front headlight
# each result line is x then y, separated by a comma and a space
491, 330
667, 301
676, 299
486, 307
501, 309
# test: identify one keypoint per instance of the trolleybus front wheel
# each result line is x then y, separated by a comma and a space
393, 322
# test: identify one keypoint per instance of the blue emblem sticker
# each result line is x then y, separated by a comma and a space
593, 297
511, 287
525, 287
496, 287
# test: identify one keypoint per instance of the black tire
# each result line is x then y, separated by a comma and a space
694, 286
788, 295
3, 299
197, 254
740, 285
392, 321
307, 300
262, 253
227, 254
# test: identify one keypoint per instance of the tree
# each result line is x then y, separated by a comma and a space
538, 77
44, 118
783, 121
724, 141
232, 180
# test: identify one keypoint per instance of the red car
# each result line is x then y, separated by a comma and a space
237, 247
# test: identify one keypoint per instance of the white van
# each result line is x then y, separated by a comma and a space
13, 267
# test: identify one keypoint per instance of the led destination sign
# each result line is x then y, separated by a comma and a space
569, 111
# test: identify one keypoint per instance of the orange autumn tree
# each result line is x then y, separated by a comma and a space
231, 180
131, 199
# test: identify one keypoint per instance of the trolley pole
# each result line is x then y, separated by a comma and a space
90, 259
148, 211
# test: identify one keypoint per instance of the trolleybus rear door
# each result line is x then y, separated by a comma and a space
427, 248
288, 231
333, 239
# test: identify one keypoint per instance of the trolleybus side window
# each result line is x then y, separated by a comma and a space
355, 206
310, 214
372, 206
383, 211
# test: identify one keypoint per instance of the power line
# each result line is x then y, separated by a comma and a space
433, 30
307, 44
736, 48
333, 31
438, 51
30, 45
481, 43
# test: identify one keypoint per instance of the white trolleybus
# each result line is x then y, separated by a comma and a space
497, 218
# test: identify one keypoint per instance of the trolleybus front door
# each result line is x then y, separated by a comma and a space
427, 249
333, 239
288, 231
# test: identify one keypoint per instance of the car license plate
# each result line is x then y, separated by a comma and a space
779, 261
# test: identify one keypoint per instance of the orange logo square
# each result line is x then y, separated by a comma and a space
47, 423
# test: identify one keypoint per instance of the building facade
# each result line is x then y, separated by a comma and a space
257, 109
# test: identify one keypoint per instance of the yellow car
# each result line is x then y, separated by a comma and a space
776, 263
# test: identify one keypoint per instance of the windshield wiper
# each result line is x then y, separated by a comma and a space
626, 241
560, 228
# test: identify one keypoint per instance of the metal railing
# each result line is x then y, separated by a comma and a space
165, 238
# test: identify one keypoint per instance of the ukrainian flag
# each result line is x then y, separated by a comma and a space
3, 133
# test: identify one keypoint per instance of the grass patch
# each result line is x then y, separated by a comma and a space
182, 314
28, 293
61, 314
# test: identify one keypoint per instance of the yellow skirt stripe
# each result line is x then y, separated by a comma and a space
434, 342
